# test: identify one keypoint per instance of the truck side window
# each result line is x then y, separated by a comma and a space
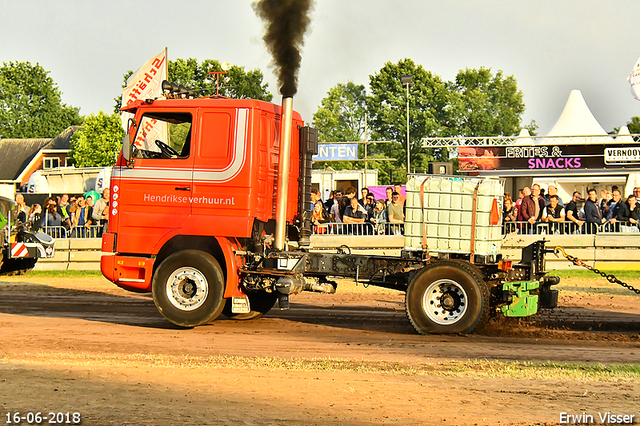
163, 135
216, 142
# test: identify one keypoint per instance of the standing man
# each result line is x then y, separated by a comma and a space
398, 189
81, 219
634, 210
554, 213
364, 191
592, 212
573, 216
101, 211
395, 213
334, 211
532, 208
620, 212
389, 191
315, 196
552, 190
353, 214
614, 205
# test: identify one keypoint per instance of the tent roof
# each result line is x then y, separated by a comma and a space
576, 119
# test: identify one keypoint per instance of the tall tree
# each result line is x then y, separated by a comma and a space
486, 104
236, 83
429, 115
31, 104
98, 142
342, 113
342, 118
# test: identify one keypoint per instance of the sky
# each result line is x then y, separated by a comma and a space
550, 47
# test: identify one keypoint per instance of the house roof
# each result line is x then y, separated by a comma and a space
16, 154
63, 140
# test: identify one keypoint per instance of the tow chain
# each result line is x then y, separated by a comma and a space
610, 277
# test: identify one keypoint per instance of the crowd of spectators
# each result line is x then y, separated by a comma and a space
63, 215
348, 214
535, 212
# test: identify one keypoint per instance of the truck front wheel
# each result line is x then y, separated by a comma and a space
188, 288
447, 297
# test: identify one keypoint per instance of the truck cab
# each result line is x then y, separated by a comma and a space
196, 174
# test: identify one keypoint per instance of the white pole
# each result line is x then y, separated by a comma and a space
408, 145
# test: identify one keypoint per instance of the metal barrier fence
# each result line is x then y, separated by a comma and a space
568, 228
93, 231
525, 228
365, 228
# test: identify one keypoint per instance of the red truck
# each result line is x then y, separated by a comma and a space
210, 217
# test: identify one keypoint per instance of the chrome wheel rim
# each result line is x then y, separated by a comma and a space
187, 288
445, 302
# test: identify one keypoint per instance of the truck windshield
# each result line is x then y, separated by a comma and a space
163, 135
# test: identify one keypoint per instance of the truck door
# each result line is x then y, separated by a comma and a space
221, 183
156, 189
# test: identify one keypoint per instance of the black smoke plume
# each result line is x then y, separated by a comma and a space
286, 22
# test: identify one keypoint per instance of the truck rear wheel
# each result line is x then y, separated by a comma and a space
188, 288
447, 297
260, 303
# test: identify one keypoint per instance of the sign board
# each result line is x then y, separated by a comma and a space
561, 158
336, 152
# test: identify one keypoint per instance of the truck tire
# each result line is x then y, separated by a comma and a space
447, 297
260, 302
188, 288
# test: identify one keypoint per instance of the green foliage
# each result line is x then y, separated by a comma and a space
236, 83
30, 103
429, 115
342, 114
477, 103
633, 126
342, 118
486, 104
99, 141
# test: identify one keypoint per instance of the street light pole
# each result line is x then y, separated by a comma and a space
407, 80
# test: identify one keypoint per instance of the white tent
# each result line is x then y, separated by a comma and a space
576, 119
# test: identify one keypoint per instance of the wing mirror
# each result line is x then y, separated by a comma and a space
127, 143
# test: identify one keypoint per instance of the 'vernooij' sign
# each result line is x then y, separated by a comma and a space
551, 157
336, 152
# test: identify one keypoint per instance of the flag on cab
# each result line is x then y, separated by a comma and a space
634, 80
146, 83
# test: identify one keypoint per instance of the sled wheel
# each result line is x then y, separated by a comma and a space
447, 297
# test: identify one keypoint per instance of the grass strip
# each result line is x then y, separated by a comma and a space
582, 274
549, 371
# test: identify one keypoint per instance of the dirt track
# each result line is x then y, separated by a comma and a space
84, 345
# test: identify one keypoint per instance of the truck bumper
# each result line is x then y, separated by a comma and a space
129, 272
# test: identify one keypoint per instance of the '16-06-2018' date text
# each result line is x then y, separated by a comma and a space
39, 418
